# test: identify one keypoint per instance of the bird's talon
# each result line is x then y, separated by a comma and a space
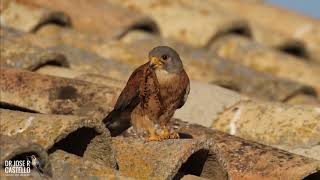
165, 134
174, 135
153, 136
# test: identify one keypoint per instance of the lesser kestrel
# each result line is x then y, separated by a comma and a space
152, 94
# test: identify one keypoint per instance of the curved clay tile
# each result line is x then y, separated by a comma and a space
278, 20
19, 148
8, 33
90, 62
33, 52
82, 75
101, 17
66, 165
200, 65
243, 159
81, 136
264, 59
27, 56
54, 95
188, 21
157, 160
288, 126
28, 17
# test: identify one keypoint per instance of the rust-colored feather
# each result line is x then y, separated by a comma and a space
149, 98
118, 120
129, 96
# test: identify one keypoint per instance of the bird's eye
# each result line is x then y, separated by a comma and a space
164, 57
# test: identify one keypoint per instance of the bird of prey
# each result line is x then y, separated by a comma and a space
152, 94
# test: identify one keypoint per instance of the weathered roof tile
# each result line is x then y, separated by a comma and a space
243, 159
20, 147
155, 160
100, 17
89, 62
278, 20
28, 17
268, 60
54, 95
288, 126
78, 135
81, 75
206, 102
200, 65
173, 18
29, 51
65, 165
27, 56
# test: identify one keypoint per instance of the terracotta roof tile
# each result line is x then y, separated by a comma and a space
27, 56
290, 24
65, 165
243, 159
173, 18
81, 136
100, 16
156, 160
20, 147
49, 94
28, 17
265, 59
219, 71
275, 124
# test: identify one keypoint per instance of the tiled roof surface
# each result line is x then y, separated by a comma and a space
253, 111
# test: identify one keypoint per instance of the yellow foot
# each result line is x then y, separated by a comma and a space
174, 135
166, 134
153, 136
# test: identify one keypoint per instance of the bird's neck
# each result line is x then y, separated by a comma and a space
164, 76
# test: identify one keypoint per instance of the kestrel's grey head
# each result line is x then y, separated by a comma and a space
164, 57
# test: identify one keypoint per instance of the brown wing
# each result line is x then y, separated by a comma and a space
185, 84
129, 96
118, 120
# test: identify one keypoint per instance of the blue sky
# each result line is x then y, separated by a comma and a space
308, 7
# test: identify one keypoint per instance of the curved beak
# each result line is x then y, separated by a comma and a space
155, 62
